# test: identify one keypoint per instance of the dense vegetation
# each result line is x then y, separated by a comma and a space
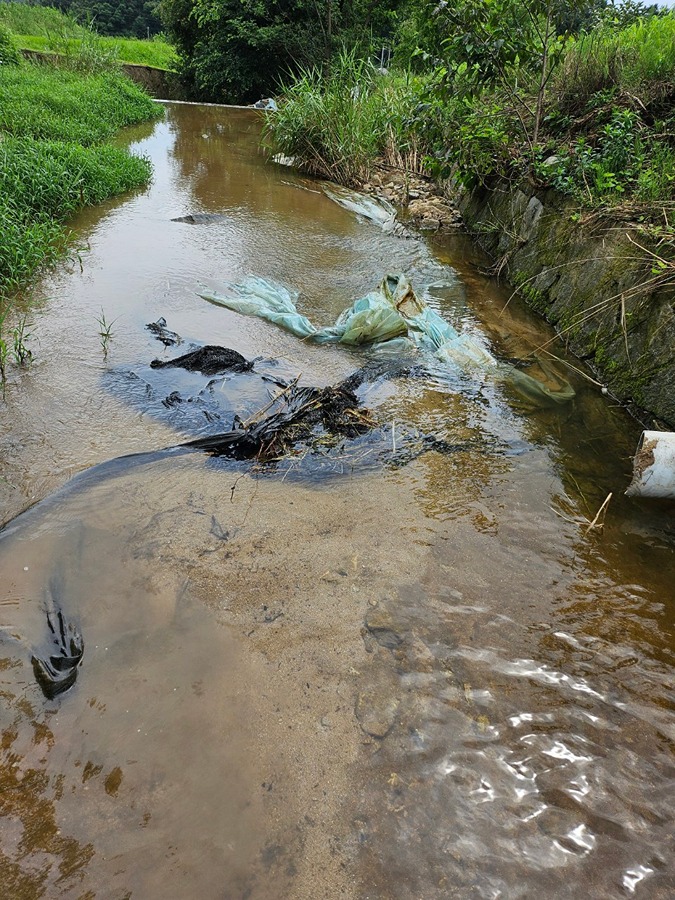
575, 95
237, 51
54, 159
49, 30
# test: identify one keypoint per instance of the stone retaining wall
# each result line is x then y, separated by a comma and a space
158, 83
583, 273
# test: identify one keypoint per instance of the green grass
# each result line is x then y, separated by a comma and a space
53, 179
47, 30
23, 19
337, 125
155, 53
9, 55
640, 58
57, 104
611, 115
54, 159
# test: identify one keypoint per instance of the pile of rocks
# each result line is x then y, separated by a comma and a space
419, 197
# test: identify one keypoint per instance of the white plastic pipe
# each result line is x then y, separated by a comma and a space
654, 466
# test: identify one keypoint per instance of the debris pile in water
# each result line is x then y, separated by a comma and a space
391, 312
303, 414
163, 334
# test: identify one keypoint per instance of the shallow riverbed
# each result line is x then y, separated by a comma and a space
415, 681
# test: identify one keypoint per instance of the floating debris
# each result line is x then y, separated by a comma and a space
56, 666
209, 360
391, 311
162, 333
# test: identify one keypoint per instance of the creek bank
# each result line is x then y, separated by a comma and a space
592, 277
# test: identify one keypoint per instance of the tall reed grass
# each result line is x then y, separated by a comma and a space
337, 124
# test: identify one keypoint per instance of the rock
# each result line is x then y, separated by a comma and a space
201, 218
376, 712
530, 220
380, 625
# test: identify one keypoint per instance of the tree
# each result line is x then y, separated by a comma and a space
239, 50
133, 18
510, 45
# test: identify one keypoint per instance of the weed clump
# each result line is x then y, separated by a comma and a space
9, 55
337, 123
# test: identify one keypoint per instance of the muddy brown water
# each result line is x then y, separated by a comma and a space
424, 681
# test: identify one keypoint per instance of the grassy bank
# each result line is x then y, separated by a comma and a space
50, 31
337, 125
54, 159
597, 124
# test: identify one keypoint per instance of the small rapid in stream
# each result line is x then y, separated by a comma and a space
344, 674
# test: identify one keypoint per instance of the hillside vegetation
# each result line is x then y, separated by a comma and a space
132, 18
502, 91
49, 30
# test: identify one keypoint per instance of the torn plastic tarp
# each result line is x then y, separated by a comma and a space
370, 319
374, 209
391, 311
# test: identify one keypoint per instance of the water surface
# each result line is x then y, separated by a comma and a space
422, 681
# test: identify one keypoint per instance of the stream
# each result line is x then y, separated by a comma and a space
338, 676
